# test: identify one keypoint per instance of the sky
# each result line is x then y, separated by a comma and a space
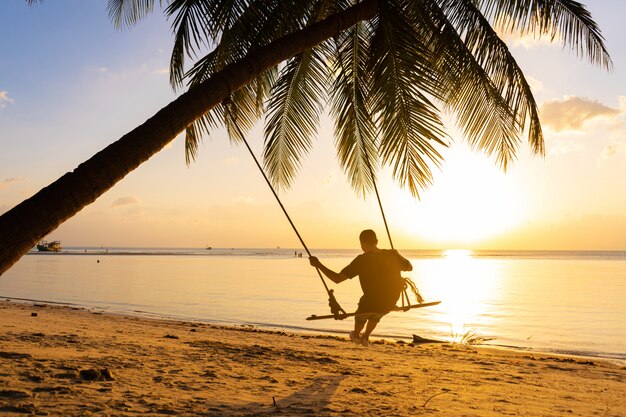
70, 84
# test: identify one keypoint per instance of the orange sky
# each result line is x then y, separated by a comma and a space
80, 102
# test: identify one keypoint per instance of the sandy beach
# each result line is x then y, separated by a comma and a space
62, 361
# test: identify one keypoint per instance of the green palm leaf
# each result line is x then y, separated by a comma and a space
194, 132
191, 31
261, 23
125, 13
482, 83
239, 113
567, 19
254, 25
246, 105
419, 51
410, 127
355, 132
293, 114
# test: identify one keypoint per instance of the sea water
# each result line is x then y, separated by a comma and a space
560, 302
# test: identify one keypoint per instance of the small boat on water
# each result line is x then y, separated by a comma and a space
45, 246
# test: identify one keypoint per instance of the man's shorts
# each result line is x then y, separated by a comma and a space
373, 317
377, 307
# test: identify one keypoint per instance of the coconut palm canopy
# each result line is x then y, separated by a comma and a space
388, 68
388, 79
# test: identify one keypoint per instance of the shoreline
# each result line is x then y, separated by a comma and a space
57, 360
617, 254
618, 361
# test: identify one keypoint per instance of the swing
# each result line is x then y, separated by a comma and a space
337, 312
345, 316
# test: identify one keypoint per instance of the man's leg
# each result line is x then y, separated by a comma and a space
371, 325
359, 320
372, 322
359, 323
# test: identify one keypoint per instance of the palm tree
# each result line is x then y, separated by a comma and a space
388, 67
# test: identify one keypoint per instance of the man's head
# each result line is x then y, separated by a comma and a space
368, 240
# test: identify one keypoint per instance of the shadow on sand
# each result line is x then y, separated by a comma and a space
312, 400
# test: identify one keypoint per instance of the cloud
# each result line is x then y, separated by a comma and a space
161, 71
5, 99
561, 148
613, 149
6, 183
125, 201
571, 113
529, 40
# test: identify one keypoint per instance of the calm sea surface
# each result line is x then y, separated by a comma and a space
561, 302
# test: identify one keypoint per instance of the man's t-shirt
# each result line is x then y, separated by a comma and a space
379, 275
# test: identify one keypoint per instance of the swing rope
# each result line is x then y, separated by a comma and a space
380, 204
335, 308
408, 282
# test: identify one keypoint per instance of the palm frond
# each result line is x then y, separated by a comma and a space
386, 72
191, 32
355, 132
293, 114
482, 83
325, 8
238, 114
126, 13
226, 13
192, 142
239, 31
246, 105
202, 126
409, 122
261, 23
568, 20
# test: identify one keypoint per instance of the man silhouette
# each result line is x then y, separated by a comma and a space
379, 275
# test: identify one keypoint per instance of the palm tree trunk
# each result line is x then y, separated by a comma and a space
30, 221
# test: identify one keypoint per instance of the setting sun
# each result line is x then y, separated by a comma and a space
471, 199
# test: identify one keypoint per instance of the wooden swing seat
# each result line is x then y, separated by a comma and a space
344, 316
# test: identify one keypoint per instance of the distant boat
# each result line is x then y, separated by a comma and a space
45, 246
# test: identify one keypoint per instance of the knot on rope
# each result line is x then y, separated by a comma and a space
335, 308
409, 284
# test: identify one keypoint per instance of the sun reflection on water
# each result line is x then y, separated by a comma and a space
466, 286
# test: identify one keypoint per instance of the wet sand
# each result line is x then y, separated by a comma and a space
62, 361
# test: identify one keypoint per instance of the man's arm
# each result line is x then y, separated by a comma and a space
405, 265
332, 275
